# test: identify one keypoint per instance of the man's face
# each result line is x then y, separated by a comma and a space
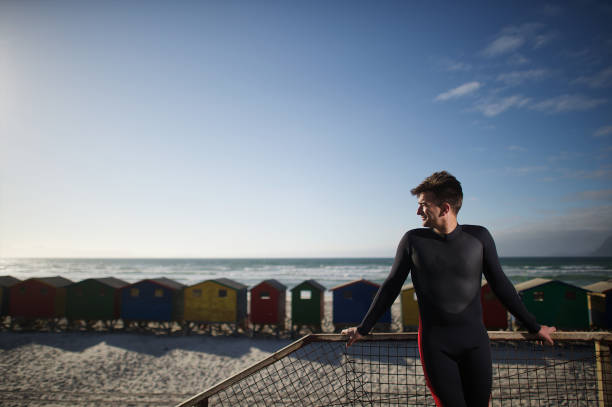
428, 210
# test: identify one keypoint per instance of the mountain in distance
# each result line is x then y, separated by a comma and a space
605, 250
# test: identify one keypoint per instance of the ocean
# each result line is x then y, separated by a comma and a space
329, 272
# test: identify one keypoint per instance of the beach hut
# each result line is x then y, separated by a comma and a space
268, 303
6, 282
94, 299
216, 301
43, 297
410, 308
600, 304
158, 299
494, 314
556, 303
307, 305
351, 302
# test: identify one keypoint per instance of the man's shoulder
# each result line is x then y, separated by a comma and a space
480, 232
474, 228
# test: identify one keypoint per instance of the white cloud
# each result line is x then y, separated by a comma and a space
517, 77
526, 170
504, 44
587, 174
591, 195
542, 40
459, 91
603, 131
512, 38
566, 103
518, 59
602, 79
494, 107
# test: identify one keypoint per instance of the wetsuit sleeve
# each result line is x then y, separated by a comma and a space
501, 285
390, 289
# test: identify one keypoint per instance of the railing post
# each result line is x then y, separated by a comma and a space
604, 373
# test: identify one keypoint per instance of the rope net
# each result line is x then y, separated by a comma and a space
389, 373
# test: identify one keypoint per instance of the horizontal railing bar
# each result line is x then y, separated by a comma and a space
493, 335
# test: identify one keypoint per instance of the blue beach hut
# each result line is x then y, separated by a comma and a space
157, 299
351, 302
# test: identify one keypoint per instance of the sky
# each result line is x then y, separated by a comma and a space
297, 129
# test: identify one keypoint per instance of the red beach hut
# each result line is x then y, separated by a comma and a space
494, 314
39, 298
268, 300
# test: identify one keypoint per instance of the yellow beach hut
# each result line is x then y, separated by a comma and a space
216, 302
410, 308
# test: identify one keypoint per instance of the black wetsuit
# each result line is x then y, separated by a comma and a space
453, 342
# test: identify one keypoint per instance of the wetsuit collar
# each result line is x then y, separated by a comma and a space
453, 235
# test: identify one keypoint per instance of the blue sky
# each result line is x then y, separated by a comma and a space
297, 129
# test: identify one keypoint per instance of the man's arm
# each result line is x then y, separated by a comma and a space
387, 292
503, 288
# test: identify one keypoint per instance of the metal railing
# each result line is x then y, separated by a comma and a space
384, 369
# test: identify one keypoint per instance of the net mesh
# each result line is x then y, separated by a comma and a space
389, 373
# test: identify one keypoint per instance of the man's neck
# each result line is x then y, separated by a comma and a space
446, 228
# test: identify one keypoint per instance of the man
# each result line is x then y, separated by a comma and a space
447, 261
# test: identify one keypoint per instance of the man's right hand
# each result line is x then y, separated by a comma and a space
353, 335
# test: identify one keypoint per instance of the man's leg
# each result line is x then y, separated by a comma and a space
476, 371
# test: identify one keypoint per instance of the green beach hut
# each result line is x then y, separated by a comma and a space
556, 303
307, 305
94, 299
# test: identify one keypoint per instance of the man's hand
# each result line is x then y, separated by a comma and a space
353, 335
545, 332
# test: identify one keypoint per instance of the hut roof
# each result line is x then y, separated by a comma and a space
229, 283
361, 281
274, 283
526, 285
56, 281
7, 281
166, 282
312, 283
111, 282
600, 286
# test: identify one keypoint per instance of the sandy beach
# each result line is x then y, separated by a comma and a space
118, 368
95, 369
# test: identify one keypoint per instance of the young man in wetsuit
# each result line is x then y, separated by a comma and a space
447, 261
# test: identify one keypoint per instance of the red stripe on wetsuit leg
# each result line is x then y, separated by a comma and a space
429, 386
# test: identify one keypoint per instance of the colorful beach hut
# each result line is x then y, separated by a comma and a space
6, 282
43, 297
351, 302
159, 299
307, 305
494, 314
94, 299
556, 303
600, 304
268, 303
216, 301
410, 308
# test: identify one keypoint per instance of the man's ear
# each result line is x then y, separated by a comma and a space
446, 208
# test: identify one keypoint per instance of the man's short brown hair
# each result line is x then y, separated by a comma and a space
444, 187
